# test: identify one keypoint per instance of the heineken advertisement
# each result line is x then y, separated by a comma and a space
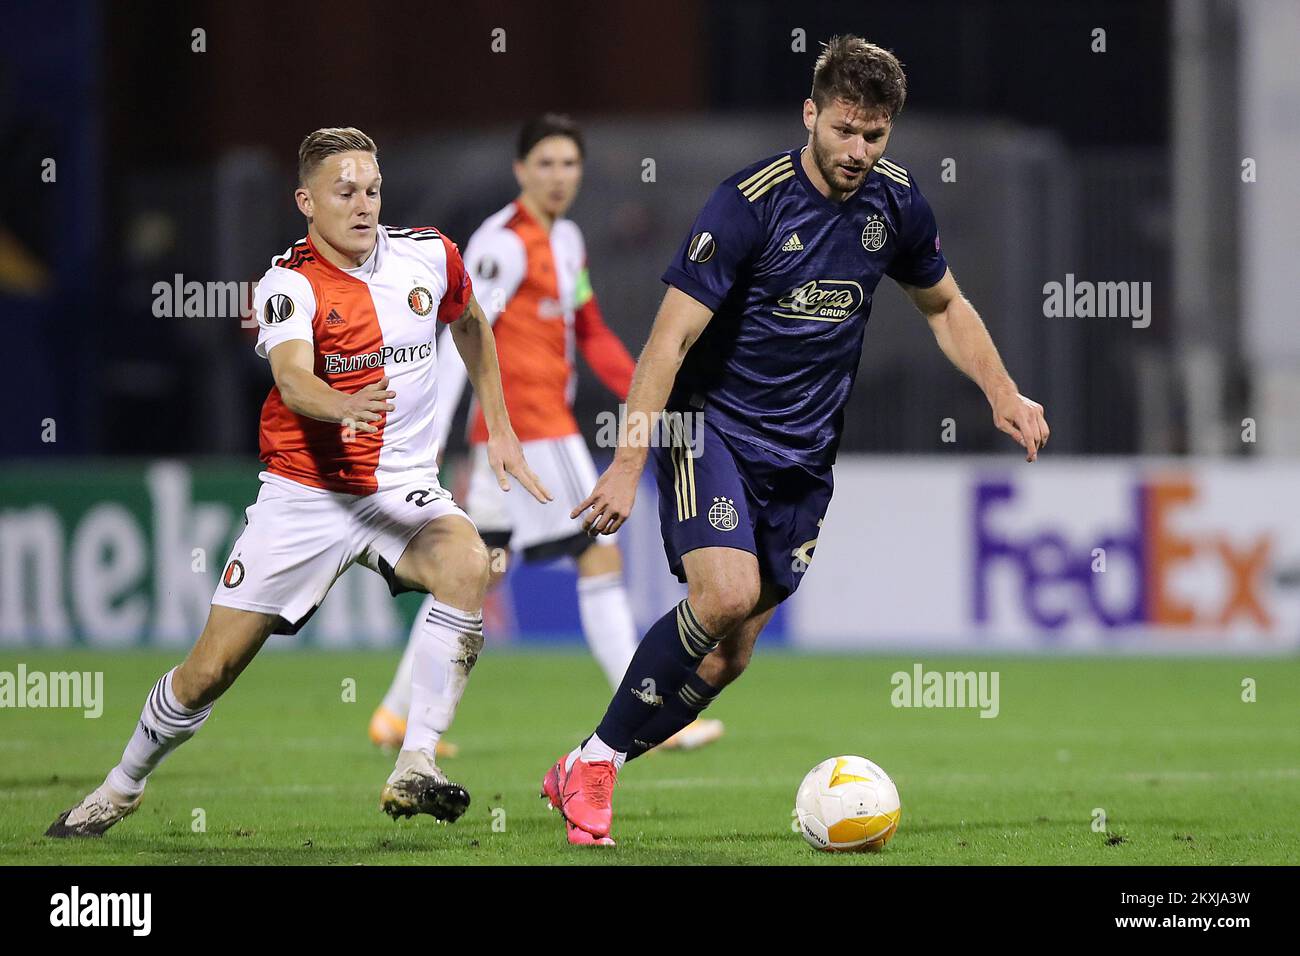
1102, 555
121, 555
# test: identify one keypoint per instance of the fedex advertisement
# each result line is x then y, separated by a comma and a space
1114, 555
1110, 555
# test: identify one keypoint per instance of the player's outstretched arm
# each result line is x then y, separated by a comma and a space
963, 337
472, 334
451, 383
303, 392
679, 323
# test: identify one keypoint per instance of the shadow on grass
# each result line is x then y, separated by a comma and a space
84, 783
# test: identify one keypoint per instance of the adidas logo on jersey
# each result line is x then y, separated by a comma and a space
793, 244
334, 318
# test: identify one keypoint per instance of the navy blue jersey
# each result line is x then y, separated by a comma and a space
790, 276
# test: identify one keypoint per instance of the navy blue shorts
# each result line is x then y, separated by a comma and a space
733, 494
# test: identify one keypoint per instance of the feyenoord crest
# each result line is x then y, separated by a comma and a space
873, 233
420, 300
722, 515
234, 575
278, 308
701, 247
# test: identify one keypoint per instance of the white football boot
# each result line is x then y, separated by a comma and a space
97, 811
416, 785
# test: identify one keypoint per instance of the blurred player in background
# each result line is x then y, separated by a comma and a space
351, 475
760, 336
529, 266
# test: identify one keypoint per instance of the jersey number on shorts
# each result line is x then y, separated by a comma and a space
423, 496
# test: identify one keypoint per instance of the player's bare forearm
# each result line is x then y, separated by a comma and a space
962, 336
965, 339
472, 334
651, 383
305, 393
679, 323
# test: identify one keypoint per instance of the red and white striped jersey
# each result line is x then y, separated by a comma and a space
363, 323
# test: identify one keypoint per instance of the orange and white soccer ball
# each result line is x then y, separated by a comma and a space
847, 804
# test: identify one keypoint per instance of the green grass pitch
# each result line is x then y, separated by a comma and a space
1185, 771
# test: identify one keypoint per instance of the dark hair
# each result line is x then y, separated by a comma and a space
548, 124
862, 73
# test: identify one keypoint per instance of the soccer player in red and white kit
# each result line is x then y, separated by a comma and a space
529, 266
347, 320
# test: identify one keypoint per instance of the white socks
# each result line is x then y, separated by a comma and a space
607, 623
398, 698
446, 645
593, 750
165, 724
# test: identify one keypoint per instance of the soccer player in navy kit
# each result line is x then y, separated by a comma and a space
760, 333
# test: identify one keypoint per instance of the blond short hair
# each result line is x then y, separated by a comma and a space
321, 144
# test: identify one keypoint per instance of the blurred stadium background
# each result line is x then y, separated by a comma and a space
1159, 151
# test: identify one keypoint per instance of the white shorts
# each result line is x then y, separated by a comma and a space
299, 539
516, 519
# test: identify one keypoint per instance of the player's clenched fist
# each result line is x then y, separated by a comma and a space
507, 458
610, 501
1023, 419
366, 405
